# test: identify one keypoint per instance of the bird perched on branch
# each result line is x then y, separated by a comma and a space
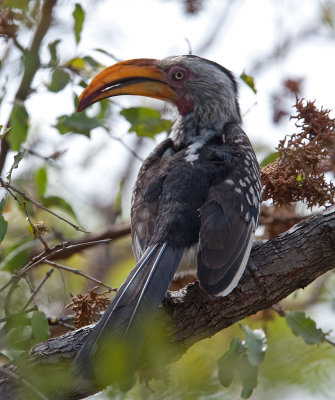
195, 201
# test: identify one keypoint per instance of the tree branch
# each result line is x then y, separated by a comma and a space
113, 232
276, 268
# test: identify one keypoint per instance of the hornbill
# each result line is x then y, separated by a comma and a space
195, 202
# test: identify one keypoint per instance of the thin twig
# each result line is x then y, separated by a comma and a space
278, 309
127, 147
47, 276
62, 321
112, 233
7, 186
15, 377
18, 45
329, 341
281, 49
216, 28
80, 273
35, 231
54, 156
4, 319
40, 258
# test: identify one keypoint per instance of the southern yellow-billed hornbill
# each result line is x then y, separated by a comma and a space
195, 201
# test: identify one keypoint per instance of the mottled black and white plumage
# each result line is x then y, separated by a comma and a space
195, 203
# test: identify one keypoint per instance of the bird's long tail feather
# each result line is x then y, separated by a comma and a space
112, 348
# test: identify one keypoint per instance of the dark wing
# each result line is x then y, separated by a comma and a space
229, 219
145, 201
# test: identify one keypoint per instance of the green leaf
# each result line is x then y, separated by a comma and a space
107, 54
40, 327
17, 159
79, 16
18, 337
3, 228
104, 109
77, 123
19, 126
305, 327
91, 62
59, 80
3, 204
13, 354
53, 51
41, 180
270, 158
249, 80
21, 4
3, 222
55, 201
229, 362
15, 257
255, 342
76, 64
248, 374
146, 121
243, 358
87, 65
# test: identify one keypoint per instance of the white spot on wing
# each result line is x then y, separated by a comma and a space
192, 153
137, 248
192, 157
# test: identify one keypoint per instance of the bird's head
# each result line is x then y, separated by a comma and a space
192, 84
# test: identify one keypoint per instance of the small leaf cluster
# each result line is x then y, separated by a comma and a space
21, 332
24, 326
243, 358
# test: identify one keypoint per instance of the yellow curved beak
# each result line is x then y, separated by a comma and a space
141, 77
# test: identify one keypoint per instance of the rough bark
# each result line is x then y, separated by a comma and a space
276, 268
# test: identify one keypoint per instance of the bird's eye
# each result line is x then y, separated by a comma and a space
178, 75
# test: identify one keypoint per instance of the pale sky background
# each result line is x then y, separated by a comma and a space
157, 29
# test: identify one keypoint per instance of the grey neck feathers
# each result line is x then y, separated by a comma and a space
204, 122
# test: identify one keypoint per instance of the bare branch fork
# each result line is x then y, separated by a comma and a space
276, 268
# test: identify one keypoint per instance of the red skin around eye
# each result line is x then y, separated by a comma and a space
184, 105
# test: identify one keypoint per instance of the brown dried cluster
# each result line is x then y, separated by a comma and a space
298, 173
88, 307
193, 6
7, 26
